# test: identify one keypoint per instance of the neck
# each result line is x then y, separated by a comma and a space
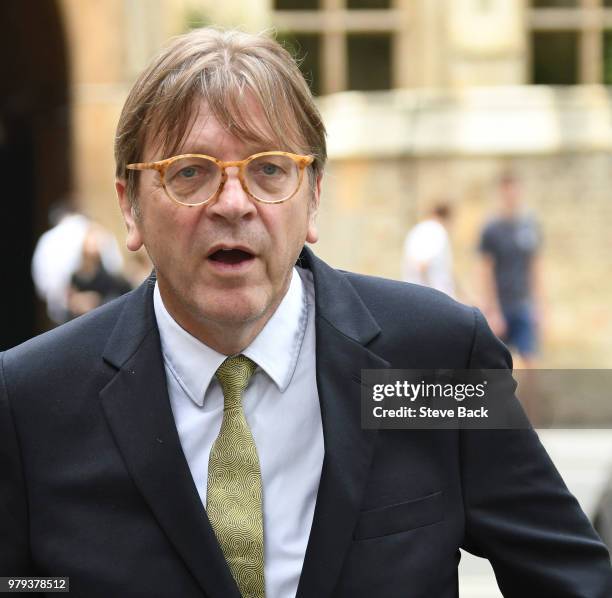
230, 340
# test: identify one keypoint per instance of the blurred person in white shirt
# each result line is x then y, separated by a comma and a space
427, 255
58, 255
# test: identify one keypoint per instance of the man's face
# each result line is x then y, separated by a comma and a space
203, 287
510, 197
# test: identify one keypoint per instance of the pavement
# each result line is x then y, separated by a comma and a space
584, 459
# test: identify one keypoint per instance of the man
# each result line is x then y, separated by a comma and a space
138, 459
428, 257
511, 276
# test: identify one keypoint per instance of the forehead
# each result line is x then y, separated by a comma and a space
241, 126
208, 132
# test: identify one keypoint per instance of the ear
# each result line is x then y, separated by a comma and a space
134, 239
312, 234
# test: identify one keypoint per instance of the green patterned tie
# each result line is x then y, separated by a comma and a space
234, 495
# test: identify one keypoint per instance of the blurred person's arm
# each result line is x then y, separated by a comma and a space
538, 292
423, 270
489, 299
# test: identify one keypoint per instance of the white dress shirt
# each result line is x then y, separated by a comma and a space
281, 405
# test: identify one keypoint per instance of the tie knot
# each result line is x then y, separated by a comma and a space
234, 375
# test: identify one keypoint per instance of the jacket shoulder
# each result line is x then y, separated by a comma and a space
68, 345
425, 328
394, 297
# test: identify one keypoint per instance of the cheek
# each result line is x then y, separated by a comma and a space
289, 230
168, 231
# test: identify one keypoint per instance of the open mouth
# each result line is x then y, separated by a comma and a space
231, 256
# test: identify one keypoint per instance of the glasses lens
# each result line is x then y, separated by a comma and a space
193, 180
272, 177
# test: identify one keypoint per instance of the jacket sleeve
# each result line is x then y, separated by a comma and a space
519, 513
14, 547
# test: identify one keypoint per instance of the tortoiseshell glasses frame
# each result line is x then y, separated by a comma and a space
162, 166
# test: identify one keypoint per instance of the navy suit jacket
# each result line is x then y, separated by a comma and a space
94, 484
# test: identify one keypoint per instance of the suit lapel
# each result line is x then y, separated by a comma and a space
343, 326
138, 412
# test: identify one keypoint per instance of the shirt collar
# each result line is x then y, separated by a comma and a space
275, 349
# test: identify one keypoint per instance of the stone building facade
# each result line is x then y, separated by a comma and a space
423, 99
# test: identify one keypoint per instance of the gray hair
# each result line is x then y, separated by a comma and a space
221, 67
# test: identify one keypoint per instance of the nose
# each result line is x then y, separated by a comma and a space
232, 202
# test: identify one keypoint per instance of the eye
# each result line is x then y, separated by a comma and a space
188, 172
270, 169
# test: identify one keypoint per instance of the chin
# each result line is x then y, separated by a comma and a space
237, 309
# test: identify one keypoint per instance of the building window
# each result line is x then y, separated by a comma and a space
296, 4
378, 4
554, 59
607, 57
555, 3
369, 62
348, 44
569, 42
306, 48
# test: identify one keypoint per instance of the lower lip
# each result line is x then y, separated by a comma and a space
226, 268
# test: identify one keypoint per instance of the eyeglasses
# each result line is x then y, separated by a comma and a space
194, 179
